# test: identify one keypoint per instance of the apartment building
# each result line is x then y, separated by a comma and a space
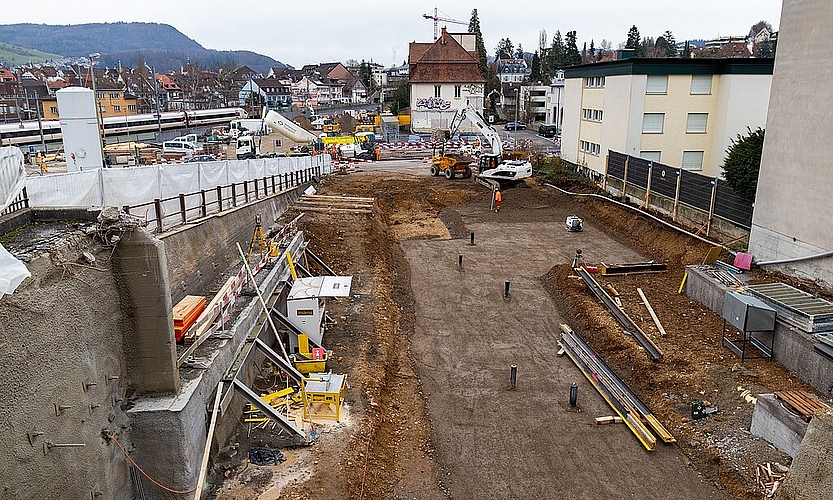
680, 112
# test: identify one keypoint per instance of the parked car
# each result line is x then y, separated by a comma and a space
548, 130
200, 158
514, 126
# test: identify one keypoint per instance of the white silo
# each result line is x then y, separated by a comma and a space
79, 127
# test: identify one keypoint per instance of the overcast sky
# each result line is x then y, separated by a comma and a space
299, 32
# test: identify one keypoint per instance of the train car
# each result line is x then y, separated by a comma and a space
23, 134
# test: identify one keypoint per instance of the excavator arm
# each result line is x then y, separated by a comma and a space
476, 119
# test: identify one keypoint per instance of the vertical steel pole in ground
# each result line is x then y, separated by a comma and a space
513, 376
573, 394
711, 207
625, 179
677, 194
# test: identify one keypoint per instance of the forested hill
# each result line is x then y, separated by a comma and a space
159, 44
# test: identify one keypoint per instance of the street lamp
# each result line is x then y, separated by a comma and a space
158, 114
94, 57
517, 105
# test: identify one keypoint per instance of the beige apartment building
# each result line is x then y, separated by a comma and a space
679, 112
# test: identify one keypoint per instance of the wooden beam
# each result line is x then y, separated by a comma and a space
351, 198
651, 312
208, 439
336, 210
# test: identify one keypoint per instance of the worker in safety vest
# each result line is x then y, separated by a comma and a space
498, 197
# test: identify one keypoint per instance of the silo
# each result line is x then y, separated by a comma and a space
79, 126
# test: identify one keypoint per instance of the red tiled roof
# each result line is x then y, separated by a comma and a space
445, 60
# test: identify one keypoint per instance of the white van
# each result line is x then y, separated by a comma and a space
188, 148
186, 138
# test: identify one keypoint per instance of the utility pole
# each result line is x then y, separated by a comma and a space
93, 57
40, 125
517, 105
156, 95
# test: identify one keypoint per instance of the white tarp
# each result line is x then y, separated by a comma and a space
12, 181
141, 185
12, 175
76, 189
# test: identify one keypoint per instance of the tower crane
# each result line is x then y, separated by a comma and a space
437, 18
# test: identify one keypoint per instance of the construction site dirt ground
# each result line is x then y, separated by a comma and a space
428, 346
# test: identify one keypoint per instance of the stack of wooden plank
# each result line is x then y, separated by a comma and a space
802, 402
335, 204
185, 313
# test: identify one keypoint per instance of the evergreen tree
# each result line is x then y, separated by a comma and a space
591, 52
670, 43
556, 56
520, 52
584, 53
572, 55
365, 73
504, 49
535, 67
743, 163
480, 47
634, 41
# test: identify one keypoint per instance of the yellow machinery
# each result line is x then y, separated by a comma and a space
306, 361
323, 395
451, 164
365, 128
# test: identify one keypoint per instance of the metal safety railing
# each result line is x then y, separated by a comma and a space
163, 214
19, 203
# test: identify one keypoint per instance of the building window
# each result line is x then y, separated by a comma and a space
116, 108
692, 160
593, 115
114, 95
651, 155
701, 84
437, 90
99, 95
696, 123
653, 123
657, 84
102, 109
590, 148
131, 107
53, 110
594, 82
458, 91
278, 143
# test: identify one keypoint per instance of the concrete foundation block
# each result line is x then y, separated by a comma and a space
776, 424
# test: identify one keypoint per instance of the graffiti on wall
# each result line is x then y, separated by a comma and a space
433, 103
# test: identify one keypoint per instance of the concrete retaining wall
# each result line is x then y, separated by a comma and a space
200, 252
791, 347
170, 432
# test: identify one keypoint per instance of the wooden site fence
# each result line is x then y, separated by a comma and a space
163, 214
